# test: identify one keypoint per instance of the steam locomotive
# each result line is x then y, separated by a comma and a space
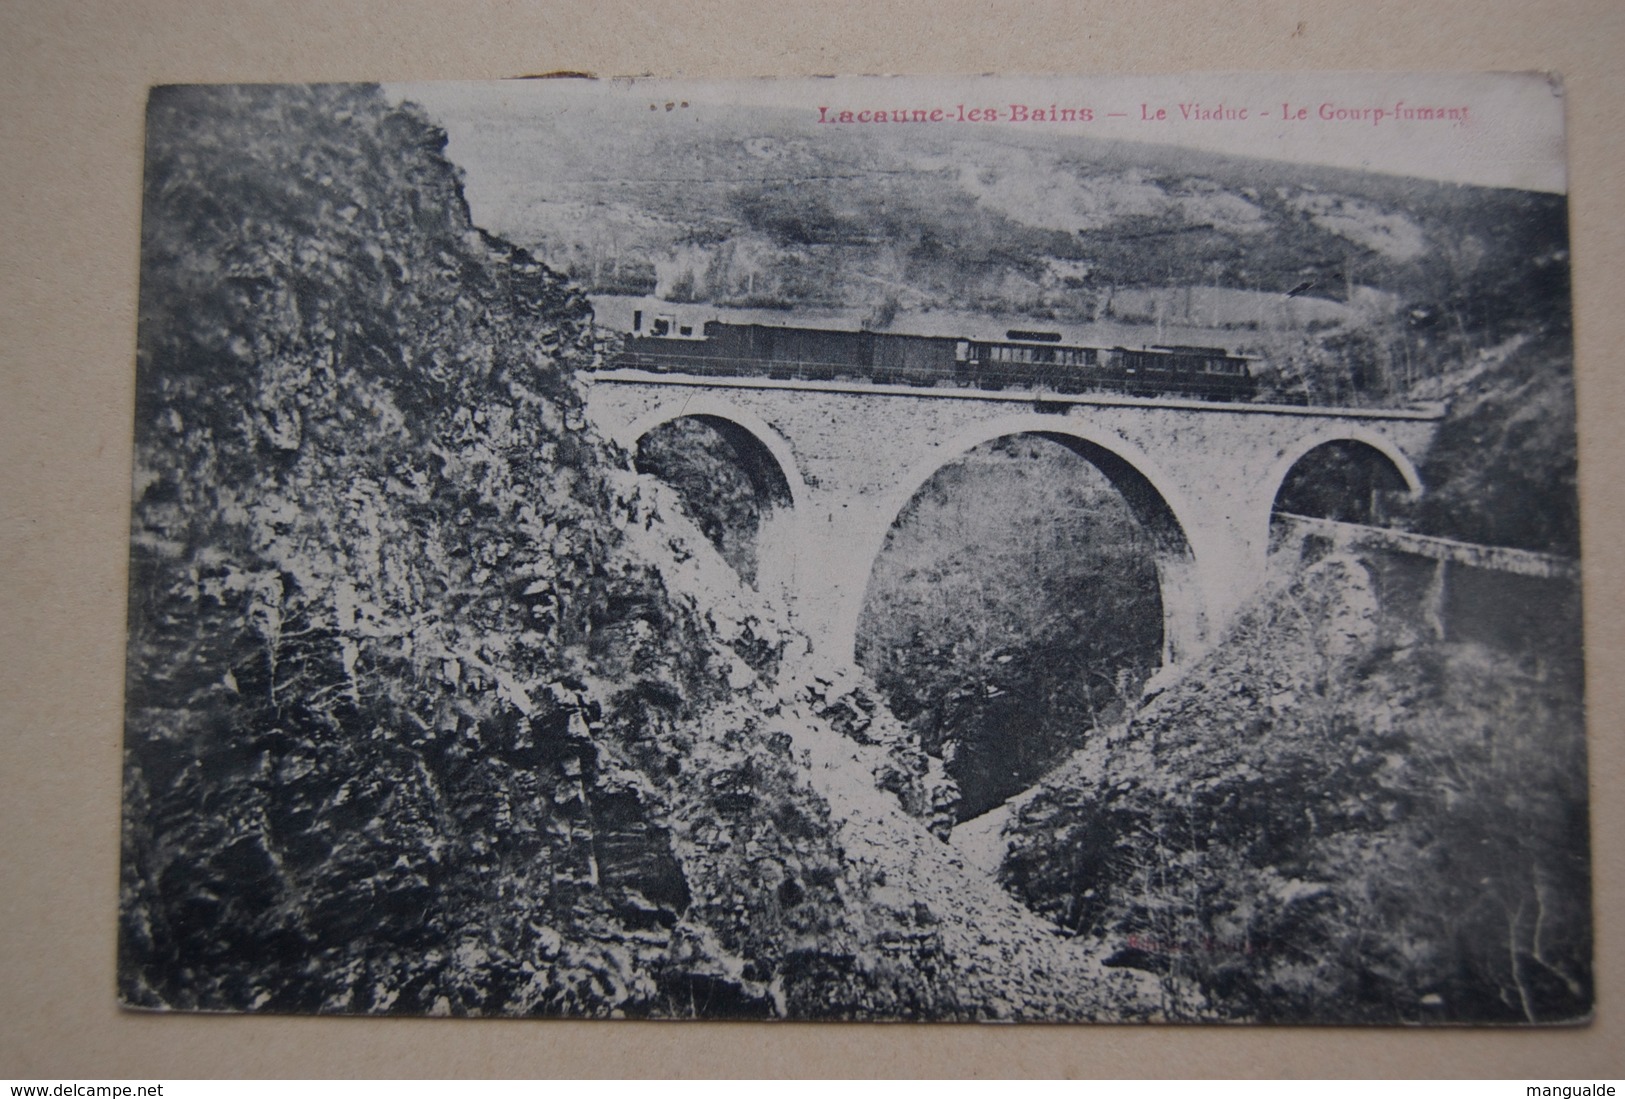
1024, 359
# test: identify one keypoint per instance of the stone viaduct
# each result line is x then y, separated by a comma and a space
842, 459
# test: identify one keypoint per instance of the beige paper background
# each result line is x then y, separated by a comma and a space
72, 86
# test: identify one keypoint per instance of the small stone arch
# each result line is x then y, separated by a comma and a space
1397, 459
1151, 494
770, 464
751, 436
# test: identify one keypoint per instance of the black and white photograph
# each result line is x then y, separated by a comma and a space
1021, 549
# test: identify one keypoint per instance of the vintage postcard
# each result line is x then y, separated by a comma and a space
1047, 549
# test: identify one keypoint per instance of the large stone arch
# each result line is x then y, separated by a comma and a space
1152, 495
1348, 433
768, 461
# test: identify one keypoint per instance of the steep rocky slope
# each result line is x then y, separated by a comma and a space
1504, 470
1335, 816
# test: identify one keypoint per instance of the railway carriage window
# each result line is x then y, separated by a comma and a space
686, 330
660, 327
637, 320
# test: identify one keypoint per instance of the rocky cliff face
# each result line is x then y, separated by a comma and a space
413, 724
